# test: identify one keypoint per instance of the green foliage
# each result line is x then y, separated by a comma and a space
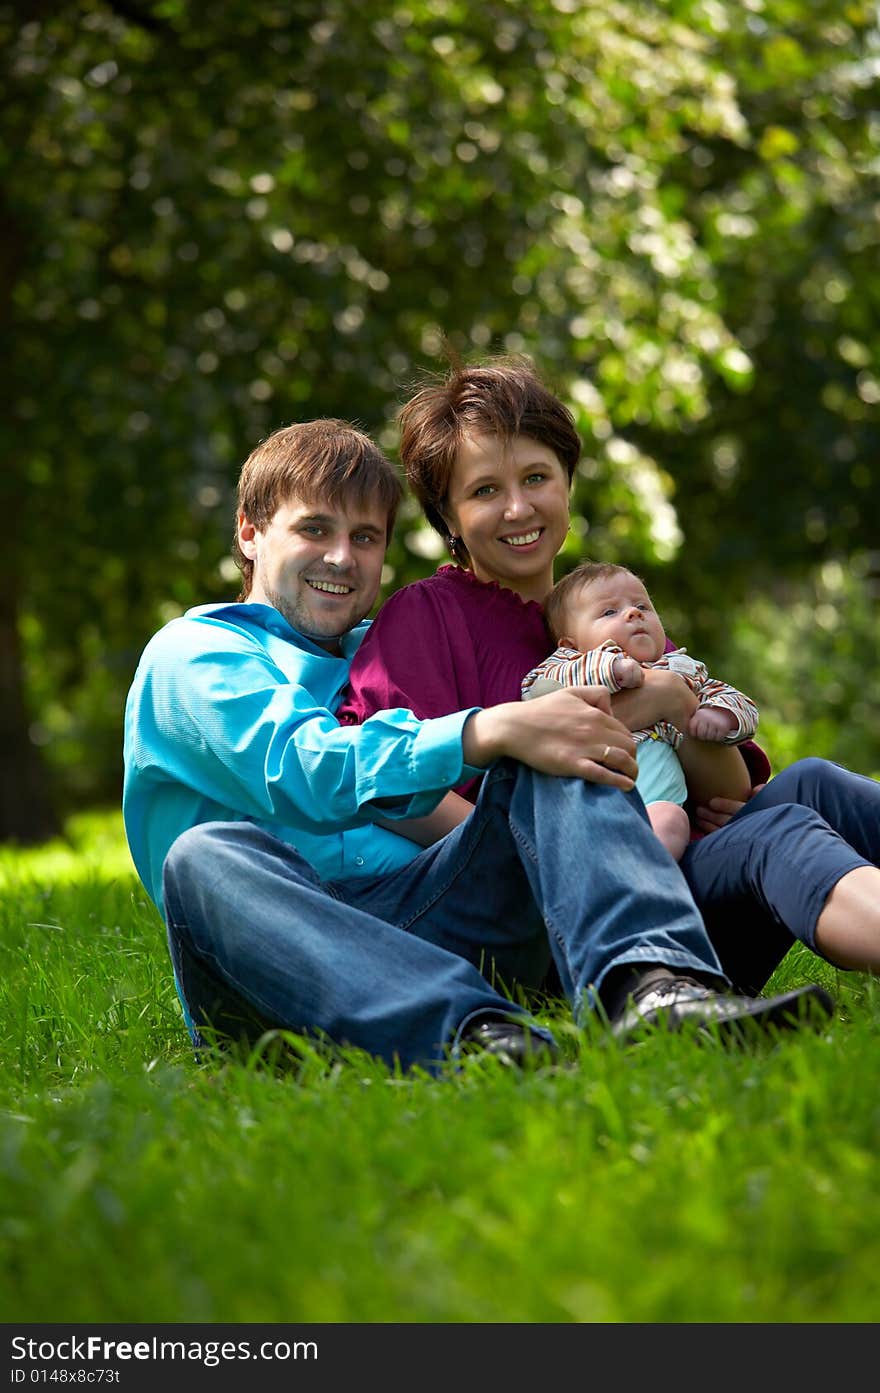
216, 221
774, 480
138, 1185
806, 654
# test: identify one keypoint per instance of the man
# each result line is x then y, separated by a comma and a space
264, 829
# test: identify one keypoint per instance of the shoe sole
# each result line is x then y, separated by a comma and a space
805, 1006
536, 1058
531, 1053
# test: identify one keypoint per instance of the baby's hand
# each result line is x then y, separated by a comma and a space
711, 723
628, 673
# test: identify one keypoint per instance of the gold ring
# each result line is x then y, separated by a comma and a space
605, 753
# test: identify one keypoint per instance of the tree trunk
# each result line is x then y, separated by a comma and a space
27, 814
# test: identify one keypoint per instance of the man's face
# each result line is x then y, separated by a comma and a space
616, 607
318, 565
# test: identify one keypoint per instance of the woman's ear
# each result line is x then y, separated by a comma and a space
452, 536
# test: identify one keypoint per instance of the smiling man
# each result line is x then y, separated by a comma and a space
312, 529
278, 842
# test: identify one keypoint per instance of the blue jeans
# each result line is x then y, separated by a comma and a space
763, 880
398, 964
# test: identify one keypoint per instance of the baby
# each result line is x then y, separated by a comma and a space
607, 631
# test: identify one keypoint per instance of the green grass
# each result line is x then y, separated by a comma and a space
665, 1182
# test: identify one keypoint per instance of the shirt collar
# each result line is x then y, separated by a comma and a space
266, 617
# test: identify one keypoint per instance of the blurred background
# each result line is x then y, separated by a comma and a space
219, 219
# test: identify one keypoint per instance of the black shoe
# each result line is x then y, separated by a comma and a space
510, 1043
673, 1002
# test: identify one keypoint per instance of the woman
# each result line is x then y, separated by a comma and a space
490, 454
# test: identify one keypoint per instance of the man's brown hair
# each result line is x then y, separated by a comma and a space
569, 588
327, 461
503, 397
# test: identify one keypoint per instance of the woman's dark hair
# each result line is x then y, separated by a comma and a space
503, 397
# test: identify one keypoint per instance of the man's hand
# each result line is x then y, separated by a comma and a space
569, 732
711, 723
628, 673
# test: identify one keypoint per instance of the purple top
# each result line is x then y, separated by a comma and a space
453, 641
444, 644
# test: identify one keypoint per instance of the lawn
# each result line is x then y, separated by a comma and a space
666, 1182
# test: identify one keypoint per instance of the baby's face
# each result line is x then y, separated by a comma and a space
615, 607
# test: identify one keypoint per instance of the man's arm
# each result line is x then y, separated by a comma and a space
228, 724
212, 712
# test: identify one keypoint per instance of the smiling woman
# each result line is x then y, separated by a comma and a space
490, 453
508, 505
487, 451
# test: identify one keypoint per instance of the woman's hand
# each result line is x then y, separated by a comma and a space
718, 811
663, 696
570, 732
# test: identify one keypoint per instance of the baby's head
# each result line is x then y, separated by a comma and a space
597, 602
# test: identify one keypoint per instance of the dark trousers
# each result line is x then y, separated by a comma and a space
762, 881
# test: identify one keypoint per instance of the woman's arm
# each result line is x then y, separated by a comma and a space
663, 696
569, 732
425, 831
713, 771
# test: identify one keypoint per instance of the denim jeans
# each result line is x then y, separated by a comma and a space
762, 881
398, 964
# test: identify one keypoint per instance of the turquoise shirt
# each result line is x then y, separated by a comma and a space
230, 718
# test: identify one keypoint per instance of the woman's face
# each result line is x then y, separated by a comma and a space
508, 501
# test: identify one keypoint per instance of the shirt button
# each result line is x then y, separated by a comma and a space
359, 860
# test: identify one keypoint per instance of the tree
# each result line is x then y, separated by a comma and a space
221, 221
774, 480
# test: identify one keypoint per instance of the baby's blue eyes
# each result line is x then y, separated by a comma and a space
608, 613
